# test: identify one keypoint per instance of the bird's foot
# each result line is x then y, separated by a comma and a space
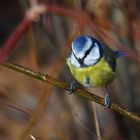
72, 87
106, 101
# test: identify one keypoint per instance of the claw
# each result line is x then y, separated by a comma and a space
72, 87
106, 100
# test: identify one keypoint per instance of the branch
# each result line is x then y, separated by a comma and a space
88, 95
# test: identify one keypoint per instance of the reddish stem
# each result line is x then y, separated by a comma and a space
61, 10
82, 15
20, 30
10, 44
108, 38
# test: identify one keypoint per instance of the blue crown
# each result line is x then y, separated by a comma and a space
79, 43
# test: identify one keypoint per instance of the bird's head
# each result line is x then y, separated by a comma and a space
86, 51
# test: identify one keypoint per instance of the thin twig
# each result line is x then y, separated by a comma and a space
87, 95
98, 132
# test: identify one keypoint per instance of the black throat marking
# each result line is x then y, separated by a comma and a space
87, 80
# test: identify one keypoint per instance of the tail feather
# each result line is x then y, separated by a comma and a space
120, 54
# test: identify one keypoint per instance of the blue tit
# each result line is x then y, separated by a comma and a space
92, 63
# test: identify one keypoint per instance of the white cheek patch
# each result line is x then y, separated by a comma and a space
74, 61
93, 56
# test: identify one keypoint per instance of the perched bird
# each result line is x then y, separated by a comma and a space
93, 63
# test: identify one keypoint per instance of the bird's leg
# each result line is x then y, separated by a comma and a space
106, 99
72, 87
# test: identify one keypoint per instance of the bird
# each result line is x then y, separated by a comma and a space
92, 63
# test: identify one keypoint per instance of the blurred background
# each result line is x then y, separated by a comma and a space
31, 109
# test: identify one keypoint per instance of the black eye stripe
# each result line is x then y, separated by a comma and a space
88, 51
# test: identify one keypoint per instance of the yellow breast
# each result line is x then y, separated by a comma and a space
98, 75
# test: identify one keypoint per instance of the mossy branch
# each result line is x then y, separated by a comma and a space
87, 95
